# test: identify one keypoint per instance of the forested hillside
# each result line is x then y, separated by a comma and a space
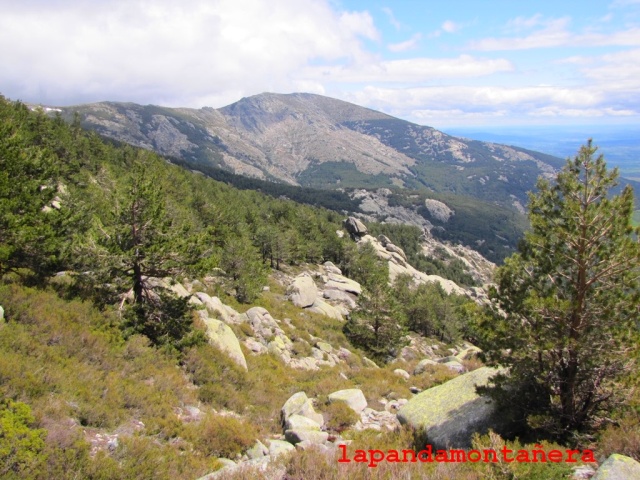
111, 368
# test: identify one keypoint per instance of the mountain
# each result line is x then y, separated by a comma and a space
316, 141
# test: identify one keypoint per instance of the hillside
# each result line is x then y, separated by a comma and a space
149, 319
155, 323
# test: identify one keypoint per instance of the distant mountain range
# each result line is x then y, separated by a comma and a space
312, 140
620, 144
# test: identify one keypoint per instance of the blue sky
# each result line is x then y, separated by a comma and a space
439, 63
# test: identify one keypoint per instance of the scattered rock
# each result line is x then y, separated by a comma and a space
324, 347
298, 422
375, 420
305, 435
344, 284
278, 447
340, 296
255, 346
369, 363
353, 397
218, 309
438, 210
300, 404
422, 366
583, 472
262, 323
257, 451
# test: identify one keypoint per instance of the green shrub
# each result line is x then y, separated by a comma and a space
222, 436
339, 416
21, 445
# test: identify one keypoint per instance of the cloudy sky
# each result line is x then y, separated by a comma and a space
435, 62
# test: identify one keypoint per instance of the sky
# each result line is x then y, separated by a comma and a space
434, 62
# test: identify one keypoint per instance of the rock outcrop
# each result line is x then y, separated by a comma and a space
452, 412
355, 227
335, 297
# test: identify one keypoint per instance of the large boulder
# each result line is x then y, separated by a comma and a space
344, 284
221, 336
303, 291
355, 227
300, 404
618, 467
326, 309
353, 397
451, 413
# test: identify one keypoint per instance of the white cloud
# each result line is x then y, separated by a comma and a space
554, 33
392, 18
450, 27
406, 45
452, 105
409, 70
168, 52
447, 26
519, 24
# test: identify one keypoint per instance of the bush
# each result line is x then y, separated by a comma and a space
21, 445
339, 416
222, 436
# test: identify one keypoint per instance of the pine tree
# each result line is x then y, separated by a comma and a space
378, 324
569, 301
133, 243
29, 227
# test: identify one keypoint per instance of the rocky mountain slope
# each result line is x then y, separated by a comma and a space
311, 140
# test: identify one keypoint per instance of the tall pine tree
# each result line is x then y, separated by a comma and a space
569, 300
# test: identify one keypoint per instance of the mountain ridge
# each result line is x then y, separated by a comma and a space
311, 140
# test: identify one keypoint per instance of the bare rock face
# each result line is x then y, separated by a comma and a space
438, 210
355, 227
